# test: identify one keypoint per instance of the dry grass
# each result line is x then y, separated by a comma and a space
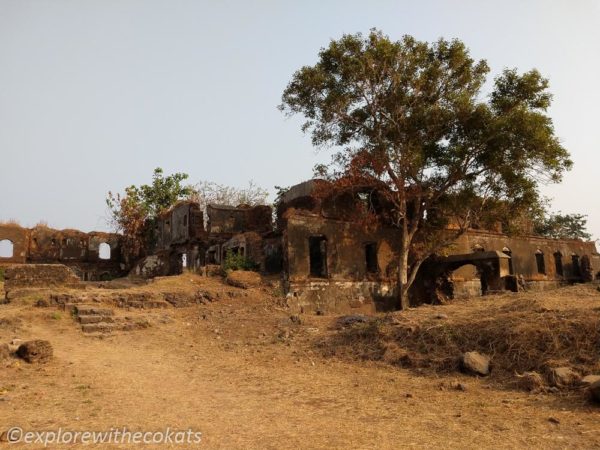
243, 373
521, 333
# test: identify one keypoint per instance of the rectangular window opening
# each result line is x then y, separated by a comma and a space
371, 257
576, 266
317, 246
558, 264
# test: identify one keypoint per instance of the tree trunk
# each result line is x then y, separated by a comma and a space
403, 301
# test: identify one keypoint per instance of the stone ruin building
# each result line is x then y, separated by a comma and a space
326, 257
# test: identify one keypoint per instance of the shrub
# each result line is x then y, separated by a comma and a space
1, 274
235, 261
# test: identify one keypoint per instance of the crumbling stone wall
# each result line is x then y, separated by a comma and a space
19, 237
232, 220
38, 276
182, 223
76, 249
347, 282
539, 263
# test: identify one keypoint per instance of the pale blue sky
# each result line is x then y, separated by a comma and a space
96, 93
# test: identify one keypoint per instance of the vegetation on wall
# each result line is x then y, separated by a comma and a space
236, 261
134, 212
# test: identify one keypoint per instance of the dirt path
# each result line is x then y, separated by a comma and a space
228, 376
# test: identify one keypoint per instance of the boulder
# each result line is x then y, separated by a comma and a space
243, 279
531, 381
476, 363
563, 377
14, 345
35, 351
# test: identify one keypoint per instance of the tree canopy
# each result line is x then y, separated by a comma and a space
563, 226
410, 117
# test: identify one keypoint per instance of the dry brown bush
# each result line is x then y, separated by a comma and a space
520, 336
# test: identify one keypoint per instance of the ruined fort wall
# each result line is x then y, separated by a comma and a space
92, 256
19, 238
571, 255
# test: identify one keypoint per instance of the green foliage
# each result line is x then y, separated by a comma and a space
134, 212
236, 261
1, 274
409, 117
563, 226
281, 191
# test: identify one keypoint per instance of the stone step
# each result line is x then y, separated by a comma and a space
94, 318
156, 304
97, 327
85, 310
69, 307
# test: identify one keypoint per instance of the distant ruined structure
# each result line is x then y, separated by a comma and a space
328, 257
92, 256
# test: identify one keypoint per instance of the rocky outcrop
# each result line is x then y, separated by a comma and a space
563, 377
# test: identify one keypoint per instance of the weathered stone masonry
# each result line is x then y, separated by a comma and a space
92, 256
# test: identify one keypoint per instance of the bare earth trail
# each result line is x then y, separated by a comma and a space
223, 370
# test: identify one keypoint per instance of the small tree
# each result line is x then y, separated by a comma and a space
237, 261
407, 117
134, 212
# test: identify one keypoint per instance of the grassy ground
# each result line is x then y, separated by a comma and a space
246, 376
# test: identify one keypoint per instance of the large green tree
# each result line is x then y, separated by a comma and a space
410, 117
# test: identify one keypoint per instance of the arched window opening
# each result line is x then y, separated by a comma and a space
539, 260
6, 249
104, 251
558, 265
